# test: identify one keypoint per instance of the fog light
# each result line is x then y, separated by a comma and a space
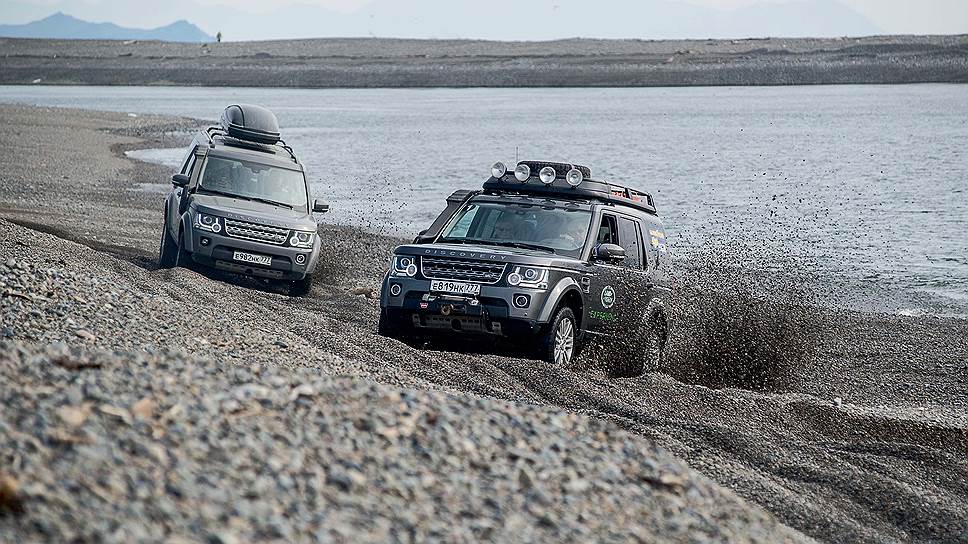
522, 173
395, 289
522, 301
204, 241
547, 175
300, 259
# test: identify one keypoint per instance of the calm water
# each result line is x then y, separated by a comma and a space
865, 185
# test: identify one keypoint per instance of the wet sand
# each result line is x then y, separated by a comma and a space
865, 439
374, 62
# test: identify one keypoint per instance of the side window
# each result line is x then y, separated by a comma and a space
607, 231
630, 239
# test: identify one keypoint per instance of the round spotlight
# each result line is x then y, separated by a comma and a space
574, 177
522, 173
395, 289
300, 259
547, 175
514, 278
498, 170
412, 270
217, 227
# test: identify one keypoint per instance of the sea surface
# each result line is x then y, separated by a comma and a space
863, 187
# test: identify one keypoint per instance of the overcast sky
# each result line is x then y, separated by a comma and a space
886, 16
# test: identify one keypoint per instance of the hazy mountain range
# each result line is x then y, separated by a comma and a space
495, 19
63, 26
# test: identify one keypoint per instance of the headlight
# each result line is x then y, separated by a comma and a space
207, 222
301, 239
404, 265
527, 276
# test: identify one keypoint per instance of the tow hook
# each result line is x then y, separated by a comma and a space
446, 309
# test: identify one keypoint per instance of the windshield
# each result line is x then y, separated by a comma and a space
529, 226
254, 181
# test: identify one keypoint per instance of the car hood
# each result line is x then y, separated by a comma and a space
253, 212
487, 253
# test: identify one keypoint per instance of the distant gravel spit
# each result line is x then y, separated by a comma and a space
379, 62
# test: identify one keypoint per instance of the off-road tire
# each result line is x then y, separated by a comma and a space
183, 258
301, 288
168, 252
640, 357
390, 326
559, 344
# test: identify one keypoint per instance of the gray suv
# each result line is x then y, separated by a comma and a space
240, 203
542, 256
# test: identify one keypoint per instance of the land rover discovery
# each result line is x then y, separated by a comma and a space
545, 257
240, 203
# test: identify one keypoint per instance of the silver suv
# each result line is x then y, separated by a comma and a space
240, 203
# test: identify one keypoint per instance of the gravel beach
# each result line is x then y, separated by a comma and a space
167, 405
376, 62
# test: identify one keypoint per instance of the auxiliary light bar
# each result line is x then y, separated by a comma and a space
547, 175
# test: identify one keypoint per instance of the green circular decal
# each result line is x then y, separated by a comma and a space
608, 296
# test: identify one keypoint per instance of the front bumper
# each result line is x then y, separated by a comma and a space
492, 312
215, 250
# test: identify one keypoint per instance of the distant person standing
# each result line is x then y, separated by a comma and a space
218, 37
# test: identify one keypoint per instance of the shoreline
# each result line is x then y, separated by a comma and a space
394, 63
878, 415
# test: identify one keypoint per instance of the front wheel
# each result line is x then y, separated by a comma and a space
301, 288
183, 258
168, 252
559, 345
390, 326
639, 358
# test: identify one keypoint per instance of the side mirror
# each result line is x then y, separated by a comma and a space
180, 180
612, 253
320, 207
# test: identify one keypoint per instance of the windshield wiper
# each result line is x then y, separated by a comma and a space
525, 245
249, 198
272, 202
520, 245
223, 193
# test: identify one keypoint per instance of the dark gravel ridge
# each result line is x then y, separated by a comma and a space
866, 443
377, 62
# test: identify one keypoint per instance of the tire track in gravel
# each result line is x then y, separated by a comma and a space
855, 472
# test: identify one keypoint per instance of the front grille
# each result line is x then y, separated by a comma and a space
255, 232
460, 270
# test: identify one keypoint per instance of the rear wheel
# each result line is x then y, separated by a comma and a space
168, 252
559, 345
640, 357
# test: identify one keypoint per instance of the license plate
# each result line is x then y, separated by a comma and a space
254, 259
456, 287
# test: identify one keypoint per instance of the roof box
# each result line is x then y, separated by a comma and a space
251, 123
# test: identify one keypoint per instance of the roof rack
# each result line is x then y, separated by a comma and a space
216, 130
581, 186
